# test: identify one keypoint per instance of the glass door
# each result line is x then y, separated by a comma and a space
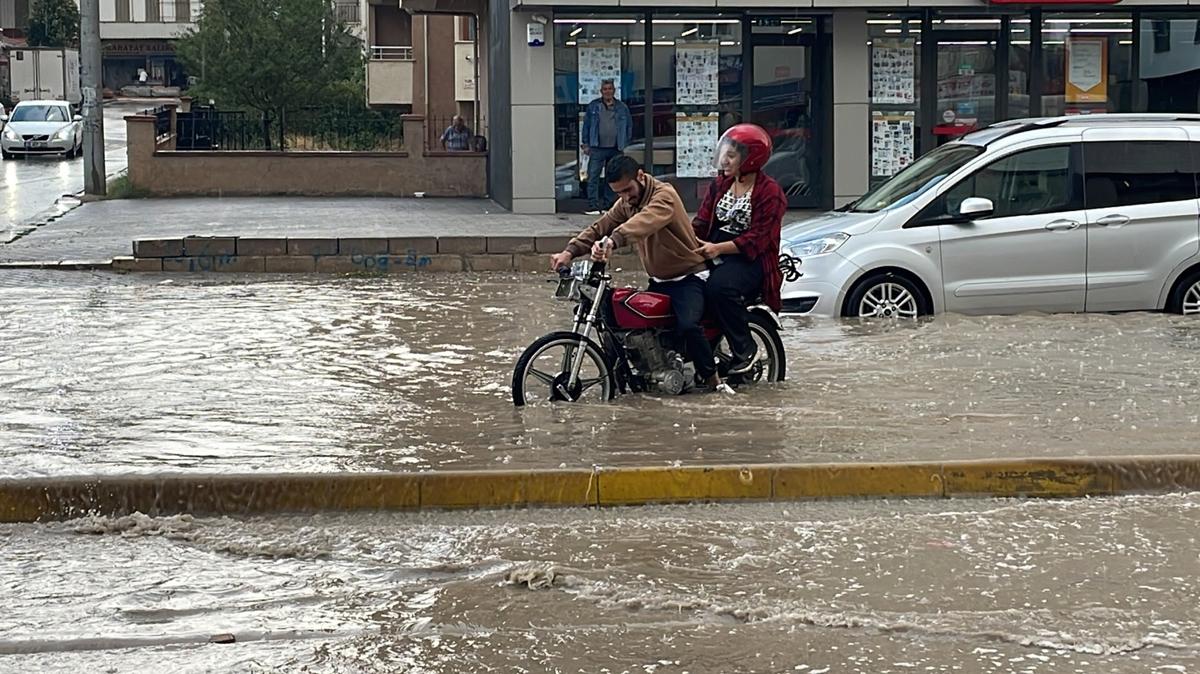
785, 99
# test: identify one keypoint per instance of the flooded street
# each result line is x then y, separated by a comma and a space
105, 373
1099, 585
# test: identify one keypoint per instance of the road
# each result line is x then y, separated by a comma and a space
30, 186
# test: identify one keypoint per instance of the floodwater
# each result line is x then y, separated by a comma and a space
1097, 585
103, 373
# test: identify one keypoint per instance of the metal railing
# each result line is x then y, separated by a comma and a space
391, 53
347, 13
304, 130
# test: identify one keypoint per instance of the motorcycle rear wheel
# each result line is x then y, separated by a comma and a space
772, 362
542, 371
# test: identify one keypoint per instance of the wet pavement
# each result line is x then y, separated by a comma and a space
105, 373
1098, 585
28, 187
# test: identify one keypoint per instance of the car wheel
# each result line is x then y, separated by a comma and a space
5, 155
1186, 298
886, 295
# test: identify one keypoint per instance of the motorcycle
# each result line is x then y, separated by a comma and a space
635, 348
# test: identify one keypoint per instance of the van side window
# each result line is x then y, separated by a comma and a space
1025, 183
1128, 173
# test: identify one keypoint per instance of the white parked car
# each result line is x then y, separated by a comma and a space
1086, 213
41, 127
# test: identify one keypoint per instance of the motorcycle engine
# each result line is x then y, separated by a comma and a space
659, 366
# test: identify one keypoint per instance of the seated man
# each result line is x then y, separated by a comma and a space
650, 215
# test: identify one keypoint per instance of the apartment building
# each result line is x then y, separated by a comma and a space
426, 63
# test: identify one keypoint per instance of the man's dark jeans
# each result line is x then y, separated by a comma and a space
596, 160
687, 301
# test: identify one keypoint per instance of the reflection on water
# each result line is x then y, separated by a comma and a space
138, 373
1099, 585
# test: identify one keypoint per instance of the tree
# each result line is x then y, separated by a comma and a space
54, 23
271, 55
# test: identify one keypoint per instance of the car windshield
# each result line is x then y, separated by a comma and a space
39, 113
917, 178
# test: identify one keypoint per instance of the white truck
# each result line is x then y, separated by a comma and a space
43, 73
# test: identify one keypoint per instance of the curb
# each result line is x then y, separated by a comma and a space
76, 265
40, 499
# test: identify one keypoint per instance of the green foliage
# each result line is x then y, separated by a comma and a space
272, 55
54, 23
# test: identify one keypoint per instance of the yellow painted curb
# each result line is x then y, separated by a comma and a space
29, 500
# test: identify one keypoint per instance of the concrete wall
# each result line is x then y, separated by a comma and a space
851, 109
532, 119
157, 167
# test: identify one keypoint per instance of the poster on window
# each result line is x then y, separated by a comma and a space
598, 61
1087, 70
892, 136
893, 68
695, 145
697, 71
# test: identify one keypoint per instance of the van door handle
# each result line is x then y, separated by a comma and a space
1113, 221
1062, 225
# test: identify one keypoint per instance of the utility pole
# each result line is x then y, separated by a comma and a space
94, 182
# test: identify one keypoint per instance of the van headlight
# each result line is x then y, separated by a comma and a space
818, 246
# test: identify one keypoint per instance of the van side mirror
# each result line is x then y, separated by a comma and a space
974, 208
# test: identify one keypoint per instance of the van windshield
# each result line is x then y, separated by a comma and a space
913, 181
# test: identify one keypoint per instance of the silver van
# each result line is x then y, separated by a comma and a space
1087, 213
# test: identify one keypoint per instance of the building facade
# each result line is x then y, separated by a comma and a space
424, 62
850, 94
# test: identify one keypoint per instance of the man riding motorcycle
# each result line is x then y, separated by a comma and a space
650, 215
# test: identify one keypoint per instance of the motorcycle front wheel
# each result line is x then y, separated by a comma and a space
543, 370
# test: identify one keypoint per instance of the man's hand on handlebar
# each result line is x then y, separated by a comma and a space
561, 260
602, 249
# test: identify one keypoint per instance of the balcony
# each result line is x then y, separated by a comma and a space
390, 76
147, 19
347, 13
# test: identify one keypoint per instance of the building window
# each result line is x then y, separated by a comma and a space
1170, 63
466, 28
589, 49
153, 11
697, 95
894, 58
124, 11
1087, 63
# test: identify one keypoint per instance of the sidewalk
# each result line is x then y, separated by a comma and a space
106, 229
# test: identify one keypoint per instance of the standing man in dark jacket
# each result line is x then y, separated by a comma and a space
607, 131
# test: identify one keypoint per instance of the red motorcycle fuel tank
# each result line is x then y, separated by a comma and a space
638, 309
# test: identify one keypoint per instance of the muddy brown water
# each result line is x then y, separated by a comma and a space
104, 373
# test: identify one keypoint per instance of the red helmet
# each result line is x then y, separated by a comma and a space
750, 142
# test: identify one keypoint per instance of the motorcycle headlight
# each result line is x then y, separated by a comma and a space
11, 133
818, 246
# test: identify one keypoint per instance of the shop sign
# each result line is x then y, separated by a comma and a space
137, 47
1041, 3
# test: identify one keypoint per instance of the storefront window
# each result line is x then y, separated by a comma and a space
697, 95
1020, 64
588, 49
1170, 62
895, 93
1087, 63
967, 51
785, 100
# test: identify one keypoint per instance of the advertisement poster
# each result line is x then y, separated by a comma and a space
1087, 70
893, 68
892, 140
598, 61
697, 67
695, 145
